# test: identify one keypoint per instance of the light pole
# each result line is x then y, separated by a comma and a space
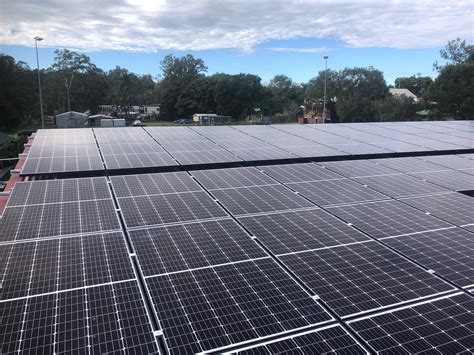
39, 39
325, 79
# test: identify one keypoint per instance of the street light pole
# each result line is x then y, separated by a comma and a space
37, 38
325, 79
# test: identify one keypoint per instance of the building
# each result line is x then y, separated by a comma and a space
71, 119
210, 119
152, 109
406, 92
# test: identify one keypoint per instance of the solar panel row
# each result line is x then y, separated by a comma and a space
67, 151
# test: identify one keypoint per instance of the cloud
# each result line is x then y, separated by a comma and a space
149, 25
300, 50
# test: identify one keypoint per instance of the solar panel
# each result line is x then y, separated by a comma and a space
336, 192
400, 185
441, 326
211, 308
169, 208
387, 218
205, 157
58, 219
59, 264
299, 172
101, 319
449, 252
450, 179
51, 191
450, 161
356, 168
236, 177
362, 277
54, 165
453, 207
361, 149
271, 153
153, 184
194, 245
315, 150
132, 160
333, 339
401, 147
289, 232
258, 199
409, 165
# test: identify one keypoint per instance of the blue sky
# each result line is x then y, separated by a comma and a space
263, 37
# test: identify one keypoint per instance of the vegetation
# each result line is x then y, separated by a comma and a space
354, 94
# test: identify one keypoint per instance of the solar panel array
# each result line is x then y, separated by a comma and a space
96, 150
340, 256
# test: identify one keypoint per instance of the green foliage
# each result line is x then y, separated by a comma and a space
456, 52
395, 108
418, 84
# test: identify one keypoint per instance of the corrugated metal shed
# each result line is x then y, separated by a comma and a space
71, 119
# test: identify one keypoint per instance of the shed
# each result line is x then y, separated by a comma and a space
95, 120
211, 118
71, 119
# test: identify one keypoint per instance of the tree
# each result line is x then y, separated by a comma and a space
455, 52
282, 95
418, 84
314, 91
68, 64
178, 74
395, 108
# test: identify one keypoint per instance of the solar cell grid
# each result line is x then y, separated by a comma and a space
356, 168
450, 179
289, 232
170, 208
387, 218
62, 165
132, 160
101, 319
449, 252
195, 245
336, 192
53, 191
271, 153
153, 184
453, 207
450, 161
400, 185
409, 165
60, 264
205, 157
362, 277
215, 307
315, 150
442, 326
131, 148
299, 172
191, 146
361, 148
59, 219
258, 199
324, 341
228, 178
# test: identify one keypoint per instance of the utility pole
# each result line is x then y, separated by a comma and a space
325, 79
38, 39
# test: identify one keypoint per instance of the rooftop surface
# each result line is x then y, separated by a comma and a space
348, 238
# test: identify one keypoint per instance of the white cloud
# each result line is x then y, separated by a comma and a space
149, 25
300, 50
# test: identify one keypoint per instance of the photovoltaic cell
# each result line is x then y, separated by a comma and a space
362, 277
58, 219
400, 185
210, 308
195, 245
387, 218
169, 208
450, 179
357, 168
449, 252
453, 207
153, 184
60, 264
336, 192
236, 177
450, 161
299, 172
289, 232
409, 165
443, 326
101, 319
205, 157
255, 199
324, 341
52, 191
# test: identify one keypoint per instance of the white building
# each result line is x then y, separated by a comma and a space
151, 109
406, 92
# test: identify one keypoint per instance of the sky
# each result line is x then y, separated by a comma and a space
262, 37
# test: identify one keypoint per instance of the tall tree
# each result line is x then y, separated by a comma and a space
69, 64
456, 51
417, 84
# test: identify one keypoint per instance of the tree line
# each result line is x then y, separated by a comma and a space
73, 82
